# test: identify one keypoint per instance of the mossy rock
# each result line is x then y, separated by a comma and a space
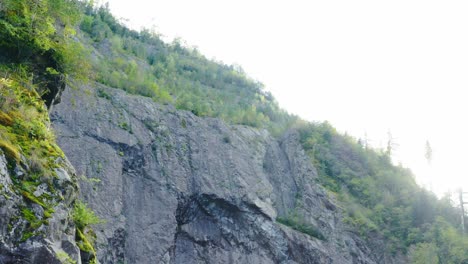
10, 151
5, 119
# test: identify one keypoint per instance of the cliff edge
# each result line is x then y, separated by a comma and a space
177, 188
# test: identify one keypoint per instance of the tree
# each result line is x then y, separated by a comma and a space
37, 35
424, 253
428, 153
391, 144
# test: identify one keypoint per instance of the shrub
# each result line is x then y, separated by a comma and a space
424, 253
301, 227
83, 216
85, 237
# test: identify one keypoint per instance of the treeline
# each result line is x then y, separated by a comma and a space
384, 200
141, 63
381, 200
37, 41
39, 54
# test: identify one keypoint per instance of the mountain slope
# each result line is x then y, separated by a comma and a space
380, 199
37, 183
204, 168
176, 188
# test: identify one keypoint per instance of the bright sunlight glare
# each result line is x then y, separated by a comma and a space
368, 67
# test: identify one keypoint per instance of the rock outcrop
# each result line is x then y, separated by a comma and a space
28, 232
177, 188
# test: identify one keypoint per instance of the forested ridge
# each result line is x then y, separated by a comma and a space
47, 44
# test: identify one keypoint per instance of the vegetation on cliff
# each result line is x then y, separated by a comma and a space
381, 200
41, 50
384, 200
38, 56
141, 63
26, 141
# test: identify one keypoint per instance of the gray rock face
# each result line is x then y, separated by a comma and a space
53, 237
176, 188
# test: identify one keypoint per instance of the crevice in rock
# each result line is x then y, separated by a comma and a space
207, 223
116, 248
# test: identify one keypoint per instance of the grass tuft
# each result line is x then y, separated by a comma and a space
83, 216
301, 227
5, 119
33, 199
11, 152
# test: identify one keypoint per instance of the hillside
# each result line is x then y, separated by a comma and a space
184, 159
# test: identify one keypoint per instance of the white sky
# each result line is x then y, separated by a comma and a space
365, 66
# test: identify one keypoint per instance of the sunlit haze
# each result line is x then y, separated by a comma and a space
368, 67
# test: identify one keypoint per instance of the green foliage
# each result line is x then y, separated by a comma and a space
83, 216
10, 151
26, 235
38, 35
101, 93
33, 223
424, 253
300, 226
29, 144
64, 257
40, 48
141, 63
381, 198
85, 237
39, 52
451, 247
125, 126
5, 119
30, 197
28, 215
84, 242
29, 130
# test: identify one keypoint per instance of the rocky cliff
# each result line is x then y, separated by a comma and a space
38, 186
54, 239
177, 188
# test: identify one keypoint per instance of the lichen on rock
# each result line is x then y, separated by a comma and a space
37, 183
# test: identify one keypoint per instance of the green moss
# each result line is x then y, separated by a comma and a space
101, 93
28, 135
11, 152
125, 126
29, 186
48, 213
26, 236
64, 257
83, 242
28, 128
5, 119
32, 198
301, 227
6, 196
29, 216
83, 217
